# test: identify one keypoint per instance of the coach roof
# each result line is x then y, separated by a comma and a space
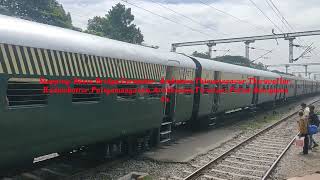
231, 68
31, 34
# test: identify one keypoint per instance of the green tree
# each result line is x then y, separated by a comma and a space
117, 24
42, 11
201, 55
280, 72
5, 11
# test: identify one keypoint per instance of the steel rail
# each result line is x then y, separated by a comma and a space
267, 174
204, 168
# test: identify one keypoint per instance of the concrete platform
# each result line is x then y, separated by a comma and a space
308, 177
295, 166
187, 147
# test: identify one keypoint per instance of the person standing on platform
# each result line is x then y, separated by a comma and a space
303, 131
305, 110
313, 120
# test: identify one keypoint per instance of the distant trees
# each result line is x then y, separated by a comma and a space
42, 11
280, 72
238, 60
117, 24
204, 55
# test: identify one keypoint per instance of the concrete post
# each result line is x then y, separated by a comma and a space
306, 70
287, 68
291, 50
173, 48
210, 49
247, 47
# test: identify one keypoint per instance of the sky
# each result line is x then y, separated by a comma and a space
194, 20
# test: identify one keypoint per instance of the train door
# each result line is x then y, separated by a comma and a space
172, 73
216, 97
295, 87
255, 95
4, 103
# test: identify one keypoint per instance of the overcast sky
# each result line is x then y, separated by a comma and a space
206, 22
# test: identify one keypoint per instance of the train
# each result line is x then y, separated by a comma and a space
34, 123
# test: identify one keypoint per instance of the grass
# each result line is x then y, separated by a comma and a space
258, 123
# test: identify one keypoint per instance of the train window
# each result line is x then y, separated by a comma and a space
188, 89
26, 92
206, 88
233, 86
127, 91
153, 93
224, 86
87, 96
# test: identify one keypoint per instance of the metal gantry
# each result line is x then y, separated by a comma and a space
288, 65
309, 73
250, 39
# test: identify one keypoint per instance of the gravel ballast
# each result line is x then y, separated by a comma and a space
245, 128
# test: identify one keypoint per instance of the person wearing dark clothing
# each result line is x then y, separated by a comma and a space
303, 131
313, 120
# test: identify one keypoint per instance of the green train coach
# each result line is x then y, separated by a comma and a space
34, 123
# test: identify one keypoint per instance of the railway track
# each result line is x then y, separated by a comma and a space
254, 158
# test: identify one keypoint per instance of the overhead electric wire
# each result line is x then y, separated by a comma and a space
270, 51
289, 26
265, 15
259, 49
191, 19
234, 17
286, 22
279, 16
168, 19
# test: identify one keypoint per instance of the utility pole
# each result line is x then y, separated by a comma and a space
287, 66
306, 70
247, 45
290, 49
210, 49
173, 48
